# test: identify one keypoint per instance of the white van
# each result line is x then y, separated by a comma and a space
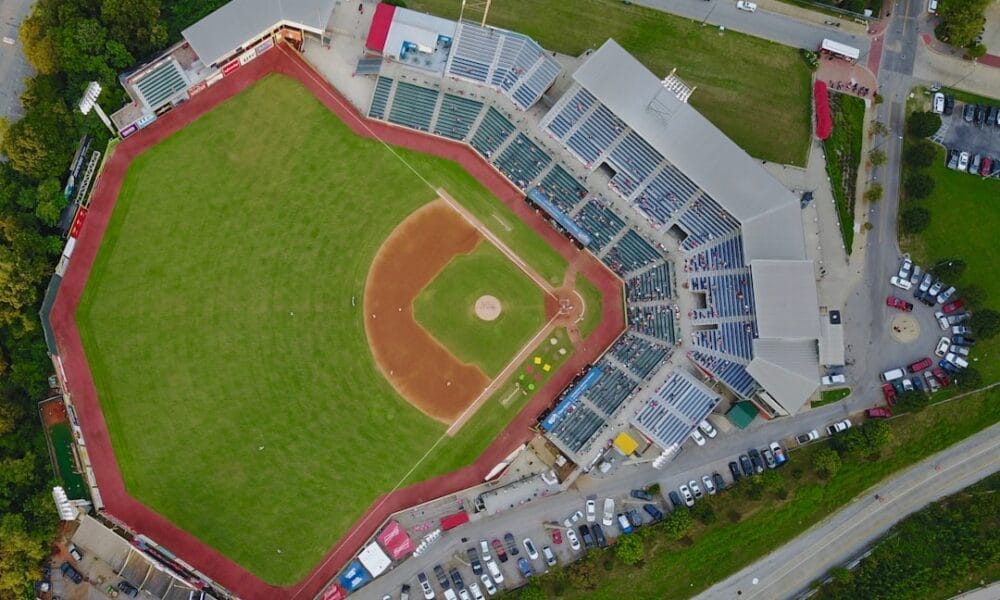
494, 571
932, 6
956, 360
892, 375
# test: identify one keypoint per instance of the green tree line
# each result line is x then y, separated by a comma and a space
69, 43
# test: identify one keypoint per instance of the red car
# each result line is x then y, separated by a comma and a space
889, 393
952, 307
987, 166
556, 536
878, 413
920, 365
499, 550
899, 303
942, 377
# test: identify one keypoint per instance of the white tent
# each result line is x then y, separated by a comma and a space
374, 560
841, 49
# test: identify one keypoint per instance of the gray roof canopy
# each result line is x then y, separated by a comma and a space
241, 21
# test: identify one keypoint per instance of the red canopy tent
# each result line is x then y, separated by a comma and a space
395, 542
379, 30
824, 122
453, 521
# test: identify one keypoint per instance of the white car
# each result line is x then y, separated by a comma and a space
698, 438
839, 426
686, 494
935, 289
959, 350
484, 550
591, 510
938, 101
946, 295
550, 557
609, 512
488, 584
463, 594
834, 379
942, 320
707, 429
963, 161
572, 519
574, 542
495, 571
475, 591
747, 6
903, 284
529, 547
942, 346
904, 269
907, 385
706, 480
695, 489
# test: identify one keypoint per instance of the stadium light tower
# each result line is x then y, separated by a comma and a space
89, 101
479, 6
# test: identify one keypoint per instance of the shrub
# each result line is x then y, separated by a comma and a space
826, 462
914, 401
915, 219
969, 379
918, 185
985, 323
629, 549
923, 124
874, 193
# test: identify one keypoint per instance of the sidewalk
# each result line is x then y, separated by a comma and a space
953, 71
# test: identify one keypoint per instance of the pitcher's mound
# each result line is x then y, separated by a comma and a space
488, 308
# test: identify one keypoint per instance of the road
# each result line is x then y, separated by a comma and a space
13, 66
845, 534
764, 24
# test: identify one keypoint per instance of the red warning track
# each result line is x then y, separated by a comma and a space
141, 519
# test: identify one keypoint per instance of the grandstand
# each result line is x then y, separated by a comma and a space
670, 414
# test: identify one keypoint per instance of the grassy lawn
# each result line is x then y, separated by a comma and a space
220, 330
709, 554
755, 91
592, 302
843, 157
62, 441
494, 415
964, 220
830, 396
446, 308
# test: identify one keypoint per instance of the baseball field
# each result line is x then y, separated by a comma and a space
227, 327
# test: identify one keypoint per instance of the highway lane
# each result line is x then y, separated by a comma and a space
763, 23
14, 68
845, 534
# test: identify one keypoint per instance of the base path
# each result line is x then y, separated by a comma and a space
845, 534
423, 371
79, 383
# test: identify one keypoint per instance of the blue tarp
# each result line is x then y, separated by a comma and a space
559, 216
354, 577
571, 397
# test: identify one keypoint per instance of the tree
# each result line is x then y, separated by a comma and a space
969, 379
135, 22
973, 296
704, 512
677, 524
772, 481
961, 21
874, 193
915, 219
949, 269
38, 45
629, 549
877, 157
923, 124
827, 463
877, 435
920, 154
912, 401
878, 128
985, 322
976, 50
918, 185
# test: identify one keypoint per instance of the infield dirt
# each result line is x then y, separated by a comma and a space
418, 366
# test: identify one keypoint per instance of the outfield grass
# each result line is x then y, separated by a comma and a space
843, 157
223, 335
593, 305
713, 552
965, 219
754, 90
446, 308
493, 416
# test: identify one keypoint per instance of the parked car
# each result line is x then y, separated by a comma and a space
769, 458
477, 594
835, 379
574, 541
734, 470
903, 284
529, 547
894, 302
888, 392
907, 385
878, 413
525, 567
958, 361
488, 585
698, 438
935, 290
925, 283
687, 495
720, 483
456, 578
959, 350
707, 429
952, 159
477, 566
987, 167
780, 457
609, 512
805, 438
938, 103
623, 523
634, 518
550, 557
904, 269
963, 340
556, 537
508, 539
975, 164
653, 512
588, 539
442, 577
942, 377
968, 113
959, 317
499, 550
758, 462
495, 572
932, 381
920, 365
960, 330
747, 6
949, 104
75, 552
572, 519
484, 550
641, 495
963, 161
942, 321
946, 295
706, 480
947, 366
746, 465
591, 510
839, 426
675, 499
696, 490
69, 572
942, 346
599, 536
425, 586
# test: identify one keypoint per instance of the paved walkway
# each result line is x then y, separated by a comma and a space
848, 532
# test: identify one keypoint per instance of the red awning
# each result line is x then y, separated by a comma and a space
381, 23
453, 521
395, 542
334, 592
824, 122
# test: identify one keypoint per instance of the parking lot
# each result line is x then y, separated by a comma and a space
961, 131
